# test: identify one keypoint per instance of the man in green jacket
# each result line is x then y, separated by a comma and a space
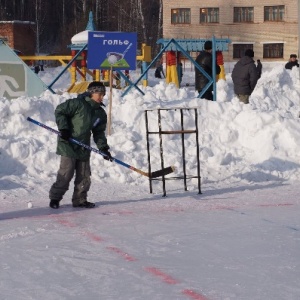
78, 118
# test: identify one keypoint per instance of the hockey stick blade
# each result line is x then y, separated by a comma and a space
162, 172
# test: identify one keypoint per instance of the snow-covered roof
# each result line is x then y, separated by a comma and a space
17, 22
80, 38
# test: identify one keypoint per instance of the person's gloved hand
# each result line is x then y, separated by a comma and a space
107, 155
65, 134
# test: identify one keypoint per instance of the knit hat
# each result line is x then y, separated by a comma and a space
208, 45
96, 87
249, 52
293, 55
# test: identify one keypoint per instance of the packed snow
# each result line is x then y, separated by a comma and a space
238, 239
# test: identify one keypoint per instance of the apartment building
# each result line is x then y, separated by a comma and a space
269, 27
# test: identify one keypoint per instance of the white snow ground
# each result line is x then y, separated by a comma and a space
239, 239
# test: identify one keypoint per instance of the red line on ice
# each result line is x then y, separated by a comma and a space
122, 253
165, 277
194, 295
66, 223
154, 271
93, 236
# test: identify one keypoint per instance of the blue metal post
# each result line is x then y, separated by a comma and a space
144, 67
214, 75
67, 66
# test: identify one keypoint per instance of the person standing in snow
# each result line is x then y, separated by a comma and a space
36, 69
244, 76
159, 71
204, 60
180, 72
259, 68
128, 77
78, 118
292, 62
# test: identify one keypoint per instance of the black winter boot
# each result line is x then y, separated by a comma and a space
54, 204
85, 204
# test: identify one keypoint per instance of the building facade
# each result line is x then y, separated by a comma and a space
268, 27
19, 35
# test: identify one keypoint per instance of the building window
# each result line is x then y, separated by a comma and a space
239, 49
209, 15
274, 13
243, 14
181, 16
273, 50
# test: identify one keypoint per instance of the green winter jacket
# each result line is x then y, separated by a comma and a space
81, 116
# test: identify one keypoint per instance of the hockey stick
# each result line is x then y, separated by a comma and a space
155, 174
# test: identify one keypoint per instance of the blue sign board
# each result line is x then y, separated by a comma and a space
115, 50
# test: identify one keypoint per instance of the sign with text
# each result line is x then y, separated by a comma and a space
16, 78
115, 50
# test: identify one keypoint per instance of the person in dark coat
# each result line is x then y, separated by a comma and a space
244, 76
36, 69
180, 72
41, 64
78, 118
292, 62
128, 77
259, 68
204, 59
159, 71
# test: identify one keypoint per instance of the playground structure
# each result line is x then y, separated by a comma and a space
176, 49
79, 66
172, 50
76, 63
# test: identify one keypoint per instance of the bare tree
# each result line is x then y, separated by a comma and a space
40, 22
22, 7
141, 16
160, 22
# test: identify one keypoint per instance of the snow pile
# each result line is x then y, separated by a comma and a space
250, 143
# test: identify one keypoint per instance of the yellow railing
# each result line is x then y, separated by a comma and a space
60, 58
64, 60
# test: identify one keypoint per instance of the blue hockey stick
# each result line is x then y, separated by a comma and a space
155, 174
